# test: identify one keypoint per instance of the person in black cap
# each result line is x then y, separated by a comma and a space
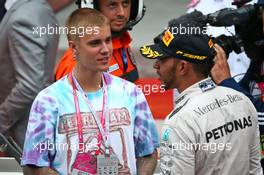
212, 129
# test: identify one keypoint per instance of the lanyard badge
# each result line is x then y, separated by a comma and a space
86, 162
107, 165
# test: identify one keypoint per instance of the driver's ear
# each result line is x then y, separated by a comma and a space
183, 67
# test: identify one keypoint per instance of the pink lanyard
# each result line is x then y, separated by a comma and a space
103, 124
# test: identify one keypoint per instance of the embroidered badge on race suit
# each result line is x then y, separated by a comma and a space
131, 56
206, 85
166, 134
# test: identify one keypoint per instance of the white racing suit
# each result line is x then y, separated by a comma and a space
213, 130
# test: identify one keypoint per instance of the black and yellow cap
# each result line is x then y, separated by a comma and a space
195, 48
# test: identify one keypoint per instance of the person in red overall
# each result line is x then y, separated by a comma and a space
123, 15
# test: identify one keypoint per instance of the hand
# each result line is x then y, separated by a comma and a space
33, 170
220, 70
146, 165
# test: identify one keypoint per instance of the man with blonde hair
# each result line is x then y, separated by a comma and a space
90, 122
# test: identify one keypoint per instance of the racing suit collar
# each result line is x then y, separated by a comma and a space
199, 87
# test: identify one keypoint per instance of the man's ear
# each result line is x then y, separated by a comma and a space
73, 46
183, 67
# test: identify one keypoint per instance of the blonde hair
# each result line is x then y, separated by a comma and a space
84, 18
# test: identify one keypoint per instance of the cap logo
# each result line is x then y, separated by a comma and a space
179, 52
149, 53
167, 38
195, 57
191, 56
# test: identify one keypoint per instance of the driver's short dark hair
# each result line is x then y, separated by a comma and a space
202, 69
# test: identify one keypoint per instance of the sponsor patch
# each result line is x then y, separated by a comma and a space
206, 85
166, 134
228, 128
216, 104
